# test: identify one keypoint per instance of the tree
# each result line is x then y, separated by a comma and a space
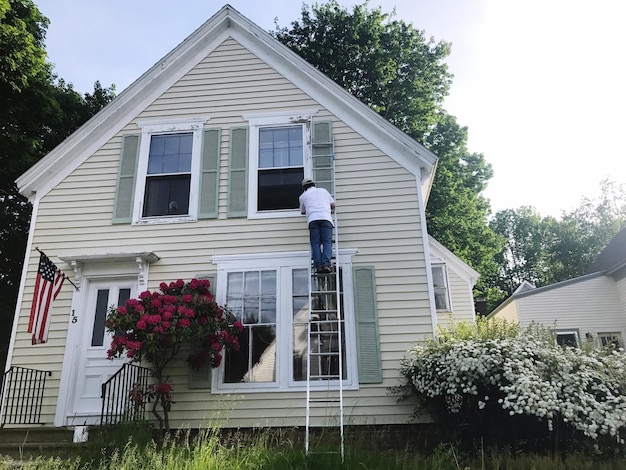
28, 84
384, 62
524, 254
390, 66
155, 327
456, 212
546, 250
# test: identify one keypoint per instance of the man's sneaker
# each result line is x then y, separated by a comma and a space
327, 269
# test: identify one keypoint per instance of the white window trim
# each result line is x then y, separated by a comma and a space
447, 281
174, 126
286, 261
285, 118
610, 334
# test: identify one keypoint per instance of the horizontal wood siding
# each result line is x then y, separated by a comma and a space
508, 313
590, 306
377, 212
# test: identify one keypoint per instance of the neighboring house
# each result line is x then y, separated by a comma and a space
587, 309
244, 119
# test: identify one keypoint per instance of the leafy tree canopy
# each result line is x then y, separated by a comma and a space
37, 111
386, 63
545, 250
456, 212
391, 66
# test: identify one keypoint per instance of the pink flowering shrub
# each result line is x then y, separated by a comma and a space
154, 327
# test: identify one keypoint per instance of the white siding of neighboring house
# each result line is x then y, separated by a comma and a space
589, 306
620, 283
377, 204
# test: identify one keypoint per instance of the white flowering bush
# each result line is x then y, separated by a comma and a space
492, 375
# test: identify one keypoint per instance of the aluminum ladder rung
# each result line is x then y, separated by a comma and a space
331, 293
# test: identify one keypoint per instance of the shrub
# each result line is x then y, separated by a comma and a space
154, 327
495, 381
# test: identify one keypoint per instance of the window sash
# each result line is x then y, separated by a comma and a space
440, 288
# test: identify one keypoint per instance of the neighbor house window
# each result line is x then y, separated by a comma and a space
440, 286
273, 306
614, 339
168, 171
279, 158
567, 338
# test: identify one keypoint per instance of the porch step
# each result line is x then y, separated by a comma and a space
26, 443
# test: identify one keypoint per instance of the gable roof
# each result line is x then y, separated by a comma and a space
613, 257
227, 22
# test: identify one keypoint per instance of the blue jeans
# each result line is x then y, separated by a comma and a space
321, 235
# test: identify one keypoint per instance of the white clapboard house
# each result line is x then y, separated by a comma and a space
230, 98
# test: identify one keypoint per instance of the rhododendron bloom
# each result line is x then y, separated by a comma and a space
151, 329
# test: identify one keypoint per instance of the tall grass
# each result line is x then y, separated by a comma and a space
271, 451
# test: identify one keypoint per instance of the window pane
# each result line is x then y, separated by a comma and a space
251, 296
280, 147
167, 195
324, 334
123, 296
97, 334
256, 359
438, 277
566, 339
170, 153
279, 189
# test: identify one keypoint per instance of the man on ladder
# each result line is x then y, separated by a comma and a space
317, 204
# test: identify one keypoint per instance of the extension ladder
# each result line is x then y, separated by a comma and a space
325, 338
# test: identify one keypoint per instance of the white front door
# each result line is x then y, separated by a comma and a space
93, 366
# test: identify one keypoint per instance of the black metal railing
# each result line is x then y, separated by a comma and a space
21, 395
124, 395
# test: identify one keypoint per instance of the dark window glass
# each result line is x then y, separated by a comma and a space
169, 175
280, 168
566, 339
97, 335
167, 195
280, 189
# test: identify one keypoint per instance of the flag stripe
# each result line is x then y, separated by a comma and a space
47, 287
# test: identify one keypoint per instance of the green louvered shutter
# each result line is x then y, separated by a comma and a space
238, 173
124, 197
366, 314
209, 175
323, 154
201, 378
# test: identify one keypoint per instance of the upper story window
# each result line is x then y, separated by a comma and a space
279, 158
440, 285
280, 167
168, 179
168, 171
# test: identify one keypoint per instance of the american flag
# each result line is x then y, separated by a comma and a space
47, 287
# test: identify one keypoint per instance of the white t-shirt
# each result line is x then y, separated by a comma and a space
315, 203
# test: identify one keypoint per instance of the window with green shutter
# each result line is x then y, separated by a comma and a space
168, 173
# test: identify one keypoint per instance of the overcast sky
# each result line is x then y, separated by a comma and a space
540, 84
